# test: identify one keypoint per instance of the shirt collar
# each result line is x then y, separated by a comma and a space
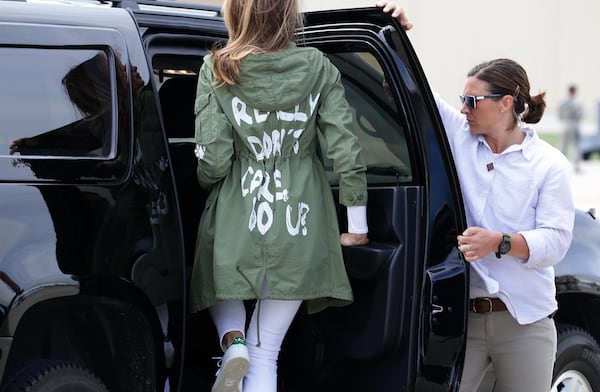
525, 146
531, 138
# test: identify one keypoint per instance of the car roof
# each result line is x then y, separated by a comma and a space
306, 5
323, 5
214, 5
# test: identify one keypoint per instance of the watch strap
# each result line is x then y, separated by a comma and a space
505, 240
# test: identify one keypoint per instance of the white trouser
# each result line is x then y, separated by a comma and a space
267, 328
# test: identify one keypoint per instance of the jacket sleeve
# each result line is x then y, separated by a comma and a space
214, 133
335, 121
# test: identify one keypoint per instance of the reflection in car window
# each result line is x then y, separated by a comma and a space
378, 121
56, 102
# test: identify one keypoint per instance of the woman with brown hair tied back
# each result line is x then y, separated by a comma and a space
520, 215
269, 232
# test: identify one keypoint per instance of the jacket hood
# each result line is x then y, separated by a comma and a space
278, 80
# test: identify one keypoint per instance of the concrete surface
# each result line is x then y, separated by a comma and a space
586, 186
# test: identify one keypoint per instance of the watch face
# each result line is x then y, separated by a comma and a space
504, 246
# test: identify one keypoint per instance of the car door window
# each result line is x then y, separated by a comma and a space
57, 102
378, 123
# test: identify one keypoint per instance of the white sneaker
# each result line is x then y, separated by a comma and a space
232, 368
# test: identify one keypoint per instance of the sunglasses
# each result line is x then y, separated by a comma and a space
471, 100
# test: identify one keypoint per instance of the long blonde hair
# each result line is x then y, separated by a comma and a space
255, 26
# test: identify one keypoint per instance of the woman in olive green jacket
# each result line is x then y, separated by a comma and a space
269, 230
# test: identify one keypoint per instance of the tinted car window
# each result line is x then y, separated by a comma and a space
378, 122
56, 102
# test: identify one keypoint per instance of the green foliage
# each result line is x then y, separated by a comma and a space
551, 137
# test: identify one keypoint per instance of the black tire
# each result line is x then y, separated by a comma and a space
54, 376
577, 361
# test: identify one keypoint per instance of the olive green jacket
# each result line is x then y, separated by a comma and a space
270, 212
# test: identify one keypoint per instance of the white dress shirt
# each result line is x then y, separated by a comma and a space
525, 189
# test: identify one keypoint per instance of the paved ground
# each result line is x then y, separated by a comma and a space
586, 186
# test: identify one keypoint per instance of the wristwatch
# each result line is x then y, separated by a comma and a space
504, 246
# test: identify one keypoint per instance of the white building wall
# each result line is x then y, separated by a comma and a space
555, 40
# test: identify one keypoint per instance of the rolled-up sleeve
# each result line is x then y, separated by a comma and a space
555, 215
214, 133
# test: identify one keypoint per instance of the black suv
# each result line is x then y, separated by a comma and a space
99, 207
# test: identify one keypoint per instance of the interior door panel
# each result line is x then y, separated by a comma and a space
379, 272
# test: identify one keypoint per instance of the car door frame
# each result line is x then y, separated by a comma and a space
439, 296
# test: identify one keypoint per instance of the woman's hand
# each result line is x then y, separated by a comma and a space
351, 239
396, 12
476, 243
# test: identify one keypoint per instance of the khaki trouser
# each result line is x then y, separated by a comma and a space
522, 355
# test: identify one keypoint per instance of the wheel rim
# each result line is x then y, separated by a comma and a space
571, 381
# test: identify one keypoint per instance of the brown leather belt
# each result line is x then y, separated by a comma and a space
486, 305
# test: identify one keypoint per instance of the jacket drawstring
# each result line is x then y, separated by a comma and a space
258, 302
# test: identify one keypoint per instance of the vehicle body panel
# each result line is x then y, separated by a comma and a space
589, 145
98, 225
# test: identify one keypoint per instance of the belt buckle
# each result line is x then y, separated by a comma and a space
489, 301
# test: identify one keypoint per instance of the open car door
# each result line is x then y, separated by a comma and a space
406, 329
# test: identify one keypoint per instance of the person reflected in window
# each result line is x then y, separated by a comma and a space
269, 231
88, 87
520, 215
